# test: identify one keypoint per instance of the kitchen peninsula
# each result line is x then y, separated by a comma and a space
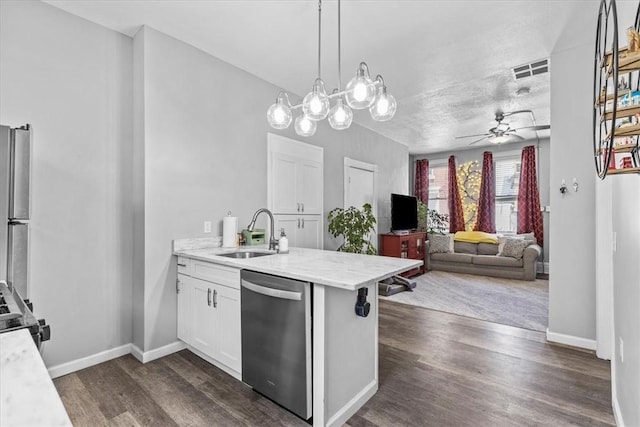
344, 345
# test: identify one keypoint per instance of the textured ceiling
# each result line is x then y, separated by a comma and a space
446, 62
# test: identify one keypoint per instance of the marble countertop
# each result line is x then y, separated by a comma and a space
27, 394
329, 268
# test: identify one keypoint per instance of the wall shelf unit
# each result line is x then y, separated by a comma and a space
616, 114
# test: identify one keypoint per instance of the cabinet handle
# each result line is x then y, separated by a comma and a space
302, 206
298, 206
298, 222
182, 265
302, 222
215, 298
177, 286
209, 297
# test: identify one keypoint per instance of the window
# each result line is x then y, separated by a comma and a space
507, 174
439, 188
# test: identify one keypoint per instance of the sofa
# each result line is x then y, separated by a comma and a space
483, 259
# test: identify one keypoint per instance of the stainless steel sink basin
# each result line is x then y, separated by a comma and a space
246, 254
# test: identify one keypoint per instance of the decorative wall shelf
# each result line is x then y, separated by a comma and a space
616, 77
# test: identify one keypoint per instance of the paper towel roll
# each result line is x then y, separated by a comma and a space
229, 231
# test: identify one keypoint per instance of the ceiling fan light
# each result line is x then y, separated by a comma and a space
340, 116
315, 104
279, 114
304, 126
499, 139
384, 106
361, 91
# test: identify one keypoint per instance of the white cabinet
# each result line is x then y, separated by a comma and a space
303, 231
184, 298
294, 176
209, 313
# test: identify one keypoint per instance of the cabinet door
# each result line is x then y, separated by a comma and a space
184, 322
202, 316
291, 225
283, 191
310, 232
227, 330
310, 187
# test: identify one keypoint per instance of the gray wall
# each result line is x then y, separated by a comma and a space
542, 157
72, 80
205, 149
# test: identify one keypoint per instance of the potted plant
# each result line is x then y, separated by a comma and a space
431, 221
355, 226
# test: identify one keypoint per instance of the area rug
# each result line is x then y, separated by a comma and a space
509, 302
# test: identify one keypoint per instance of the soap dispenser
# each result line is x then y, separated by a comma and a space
283, 243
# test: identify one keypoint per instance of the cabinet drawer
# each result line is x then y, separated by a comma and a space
227, 276
184, 266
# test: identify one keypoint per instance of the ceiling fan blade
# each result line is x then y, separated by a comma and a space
484, 135
478, 140
540, 127
514, 135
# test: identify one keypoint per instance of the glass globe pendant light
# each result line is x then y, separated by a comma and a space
304, 126
384, 105
340, 116
315, 104
279, 114
361, 91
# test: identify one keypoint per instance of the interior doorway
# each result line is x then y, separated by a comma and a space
360, 187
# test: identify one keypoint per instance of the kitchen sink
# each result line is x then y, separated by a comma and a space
246, 254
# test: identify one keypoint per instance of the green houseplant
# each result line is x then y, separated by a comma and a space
431, 221
355, 226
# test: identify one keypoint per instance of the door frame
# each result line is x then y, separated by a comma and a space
357, 164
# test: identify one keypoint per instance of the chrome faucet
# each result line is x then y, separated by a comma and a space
273, 242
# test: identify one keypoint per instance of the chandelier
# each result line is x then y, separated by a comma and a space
361, 92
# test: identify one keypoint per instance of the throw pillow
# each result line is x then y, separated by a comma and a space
514, 248
440, 243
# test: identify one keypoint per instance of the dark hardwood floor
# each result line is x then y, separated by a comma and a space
436, 369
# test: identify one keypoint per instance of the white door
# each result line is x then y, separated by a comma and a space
184, 290
360, 187
285, 174
310, 189
310, 232
227, 330
291, 224
202, 316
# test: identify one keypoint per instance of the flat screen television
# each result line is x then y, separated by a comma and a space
404, 213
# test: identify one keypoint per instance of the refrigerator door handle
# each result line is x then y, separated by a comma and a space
20, 188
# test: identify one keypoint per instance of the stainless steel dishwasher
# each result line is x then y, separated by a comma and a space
276, 339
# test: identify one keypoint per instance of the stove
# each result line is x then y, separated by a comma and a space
16, 313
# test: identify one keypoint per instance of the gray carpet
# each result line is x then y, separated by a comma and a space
509, 302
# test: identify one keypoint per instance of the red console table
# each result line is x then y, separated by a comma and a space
411, 245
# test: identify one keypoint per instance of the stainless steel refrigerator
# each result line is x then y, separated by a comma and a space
15, 194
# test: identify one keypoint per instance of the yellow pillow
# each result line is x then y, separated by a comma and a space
475, 237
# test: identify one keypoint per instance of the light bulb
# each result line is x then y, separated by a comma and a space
360, 89
315, 104
340, 116
279, 114
305, 126
384, 107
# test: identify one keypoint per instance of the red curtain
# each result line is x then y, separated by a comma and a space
529, 214
486, 216
421, 189
456, 214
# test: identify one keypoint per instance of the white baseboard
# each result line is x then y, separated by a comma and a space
85, 362
165, 350
344, 413
616, 410
214, 362
544, 269
571, 340
113, 353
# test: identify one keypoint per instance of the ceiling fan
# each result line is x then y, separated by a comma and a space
503, 132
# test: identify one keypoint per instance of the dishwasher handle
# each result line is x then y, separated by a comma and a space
275, 293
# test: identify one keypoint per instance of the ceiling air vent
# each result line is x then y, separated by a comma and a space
531, 69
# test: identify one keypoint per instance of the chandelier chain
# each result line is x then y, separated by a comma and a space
339, 52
